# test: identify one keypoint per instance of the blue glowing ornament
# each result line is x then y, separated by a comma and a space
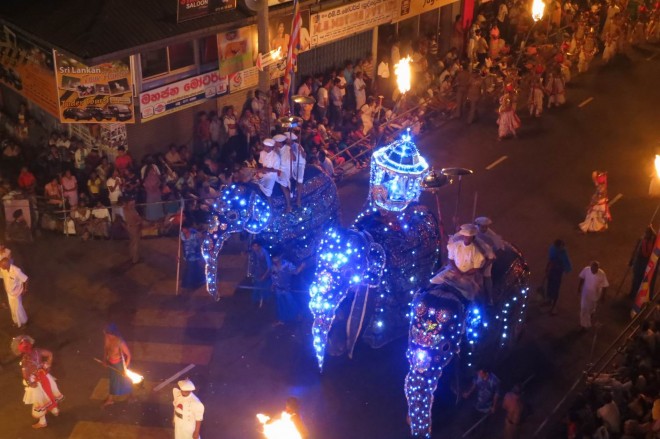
244, 208
397, 171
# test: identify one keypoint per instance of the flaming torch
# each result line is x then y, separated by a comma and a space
538, 8
403, 75
282, 428
135, 378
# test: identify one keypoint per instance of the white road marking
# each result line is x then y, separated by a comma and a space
652, 56
173, 377
585, 102
615, 199
496, 162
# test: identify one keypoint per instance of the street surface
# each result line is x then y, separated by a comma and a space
244, 366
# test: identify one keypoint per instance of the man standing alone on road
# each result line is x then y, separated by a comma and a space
592, 287
134, 227
15, 282
188, 411
487, 386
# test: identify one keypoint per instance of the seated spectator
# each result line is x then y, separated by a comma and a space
173, 158
53, 192
18, 230
609, 413
26, 180
99, 223
81, 215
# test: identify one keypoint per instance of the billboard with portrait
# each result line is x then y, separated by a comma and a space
237, 49
279, 33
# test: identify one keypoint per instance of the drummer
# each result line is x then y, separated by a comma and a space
284, 176
267, 174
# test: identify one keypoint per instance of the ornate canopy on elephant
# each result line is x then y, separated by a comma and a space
243, 207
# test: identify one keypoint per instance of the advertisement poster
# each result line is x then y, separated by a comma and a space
183, 94
279, 32
334, 24
410, 8
191, 9
28, 70
244, 79
237, 49
98, 94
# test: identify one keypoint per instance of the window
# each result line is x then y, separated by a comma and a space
167, 60
208, 50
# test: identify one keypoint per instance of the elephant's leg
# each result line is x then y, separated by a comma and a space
210, 251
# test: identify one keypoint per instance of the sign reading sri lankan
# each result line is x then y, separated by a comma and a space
98, 94
28, 69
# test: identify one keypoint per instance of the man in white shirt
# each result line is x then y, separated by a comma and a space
188, 411
360, 89
15, 282
466, 260
336, 102
270, 167
284, 176
298, 163
383, 86
305, 88
323, 100
592, 287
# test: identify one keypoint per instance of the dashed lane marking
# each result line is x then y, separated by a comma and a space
171, 353
178, 318
615, 199
496, 162
652, 56
102, 430
585, 102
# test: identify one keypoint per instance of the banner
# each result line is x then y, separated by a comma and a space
279, 32
98, 94
237, 50
244, 79
182, 94
644, 292
410, 8
28, 69
191, 9
334, 24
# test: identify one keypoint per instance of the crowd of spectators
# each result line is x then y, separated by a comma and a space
623, 403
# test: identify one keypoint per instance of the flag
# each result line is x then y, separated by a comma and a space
644, 292
292, 53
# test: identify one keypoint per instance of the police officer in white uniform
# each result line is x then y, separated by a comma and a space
188, 411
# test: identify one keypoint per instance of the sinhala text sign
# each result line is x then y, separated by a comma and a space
182, 94
96, 94
334, 24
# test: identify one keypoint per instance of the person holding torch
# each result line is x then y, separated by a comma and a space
117, 358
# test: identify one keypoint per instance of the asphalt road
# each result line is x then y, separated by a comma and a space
244, 366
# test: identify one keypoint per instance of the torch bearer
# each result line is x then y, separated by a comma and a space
538, 9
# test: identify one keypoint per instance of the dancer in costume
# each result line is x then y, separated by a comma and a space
598, 212
508, 120
40, 388
117, 358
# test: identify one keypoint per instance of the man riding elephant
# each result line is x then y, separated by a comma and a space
468, 257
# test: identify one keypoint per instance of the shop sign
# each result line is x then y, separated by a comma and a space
28, 69
97, 94
237, 49
182, 94
411, 8
244, 79
338, 23
191, 9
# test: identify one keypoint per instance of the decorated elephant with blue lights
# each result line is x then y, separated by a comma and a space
444, 324
366, 275
245, 208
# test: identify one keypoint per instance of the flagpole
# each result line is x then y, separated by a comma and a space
178, 256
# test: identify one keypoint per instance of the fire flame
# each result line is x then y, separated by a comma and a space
136, 378
657, 165
276, 54
403, 76
282, 428
538, 8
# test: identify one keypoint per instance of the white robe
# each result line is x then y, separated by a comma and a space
190, 409
266, 180
14, 280
284, 179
